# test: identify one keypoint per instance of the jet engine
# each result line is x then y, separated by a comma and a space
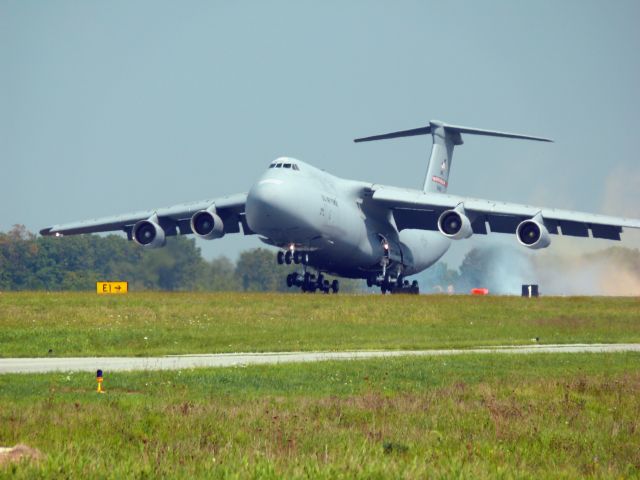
206, 224
148, 234
533, 234
455, 224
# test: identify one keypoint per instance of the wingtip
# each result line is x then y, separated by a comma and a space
46, 231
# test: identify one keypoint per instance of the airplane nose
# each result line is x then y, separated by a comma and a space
271, 207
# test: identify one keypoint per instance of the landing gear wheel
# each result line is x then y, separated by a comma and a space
335, 286
280, 258
290, 280
326, 286
370, 282
415, 289
296, 257
386, 286
287, 257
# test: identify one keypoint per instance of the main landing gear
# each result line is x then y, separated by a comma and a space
306, 281
309, 282
394, 285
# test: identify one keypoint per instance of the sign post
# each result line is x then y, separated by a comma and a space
106, 288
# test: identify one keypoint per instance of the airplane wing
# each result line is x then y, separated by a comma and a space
173, 220
413, 209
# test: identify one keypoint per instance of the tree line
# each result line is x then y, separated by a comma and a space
30, 262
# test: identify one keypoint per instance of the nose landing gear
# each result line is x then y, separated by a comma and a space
291, 256
387, 283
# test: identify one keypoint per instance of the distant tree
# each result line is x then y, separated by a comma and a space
220, 275
257, 271
18, 252
177, 266
501, 269
437, 278
473, 270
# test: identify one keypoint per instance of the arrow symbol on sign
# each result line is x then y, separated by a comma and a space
117, 287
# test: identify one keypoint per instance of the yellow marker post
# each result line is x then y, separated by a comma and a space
106, 288
99, 379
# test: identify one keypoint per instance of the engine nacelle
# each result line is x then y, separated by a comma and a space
533, 234
206, 224
455, 225
148, 234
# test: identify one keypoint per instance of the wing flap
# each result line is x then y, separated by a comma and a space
503, 223
407, 218
574, 229
609, 232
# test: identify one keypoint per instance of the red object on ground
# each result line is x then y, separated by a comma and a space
479, 291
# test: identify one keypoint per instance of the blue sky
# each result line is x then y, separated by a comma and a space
108, 107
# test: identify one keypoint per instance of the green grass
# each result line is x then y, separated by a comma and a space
473, 416
142, 324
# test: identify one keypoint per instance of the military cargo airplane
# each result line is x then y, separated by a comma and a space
356, 229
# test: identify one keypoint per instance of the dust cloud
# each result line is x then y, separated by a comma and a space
614, 271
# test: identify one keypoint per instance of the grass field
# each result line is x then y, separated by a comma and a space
471, 416
142, 324
558, 415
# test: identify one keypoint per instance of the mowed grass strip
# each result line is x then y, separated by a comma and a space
475, 416
145, 324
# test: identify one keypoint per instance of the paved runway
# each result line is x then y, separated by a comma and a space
177, 362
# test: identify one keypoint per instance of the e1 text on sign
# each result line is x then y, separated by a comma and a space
112, 287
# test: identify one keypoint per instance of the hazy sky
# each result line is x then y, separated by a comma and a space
108, 107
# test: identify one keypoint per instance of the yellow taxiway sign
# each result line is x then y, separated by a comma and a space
112, 287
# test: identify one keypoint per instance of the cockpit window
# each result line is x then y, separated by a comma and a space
292, 166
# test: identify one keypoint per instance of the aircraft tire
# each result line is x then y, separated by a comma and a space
335, 286
280, 258
287, 258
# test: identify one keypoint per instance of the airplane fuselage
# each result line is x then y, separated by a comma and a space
310, 210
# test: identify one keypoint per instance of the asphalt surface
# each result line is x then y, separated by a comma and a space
178, 362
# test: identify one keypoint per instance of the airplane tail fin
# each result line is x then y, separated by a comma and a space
445, 138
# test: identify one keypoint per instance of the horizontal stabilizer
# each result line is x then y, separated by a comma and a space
403, 133
493, 133
434, 124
